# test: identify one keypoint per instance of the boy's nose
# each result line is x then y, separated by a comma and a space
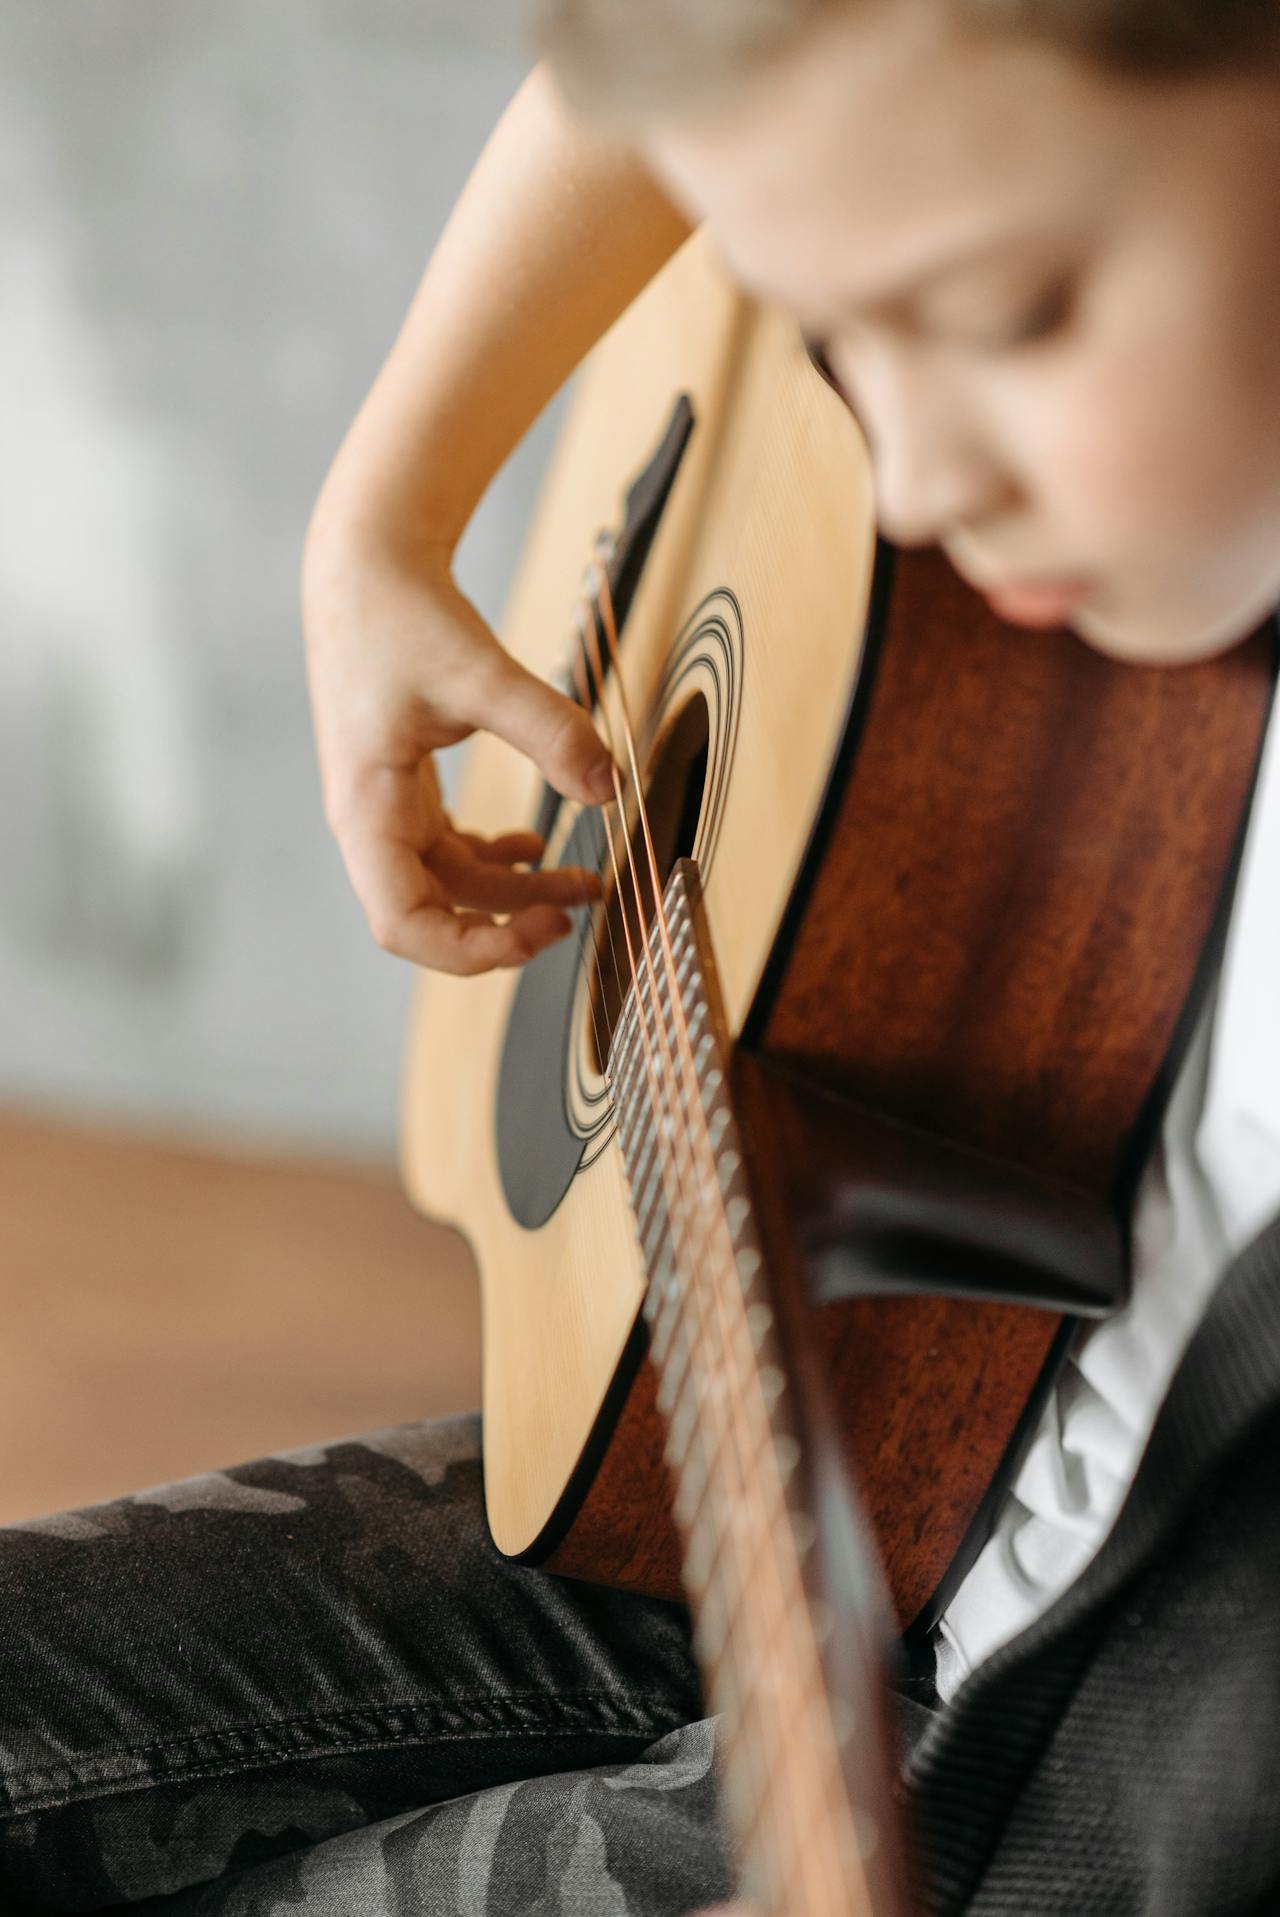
934, 473
931, 485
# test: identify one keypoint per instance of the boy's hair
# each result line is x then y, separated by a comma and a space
620, 54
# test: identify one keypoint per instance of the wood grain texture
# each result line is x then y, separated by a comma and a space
623, 1532
1021, 874
925, 1391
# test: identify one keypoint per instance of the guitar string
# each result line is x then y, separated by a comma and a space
582, 928
781, 1533
581, 671
677, 1209
587, 948
767, 1807
586, 700
583, 925
839, 1801
739, 1414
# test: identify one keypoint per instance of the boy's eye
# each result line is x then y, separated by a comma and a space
1038, 323
820, 360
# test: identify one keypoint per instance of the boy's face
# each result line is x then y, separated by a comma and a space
1052, 294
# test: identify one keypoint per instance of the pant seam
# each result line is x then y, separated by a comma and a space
36, 1786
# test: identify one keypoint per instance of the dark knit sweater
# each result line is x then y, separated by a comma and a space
1123, 1754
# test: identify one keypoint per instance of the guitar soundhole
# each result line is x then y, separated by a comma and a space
552, 1113
675, 785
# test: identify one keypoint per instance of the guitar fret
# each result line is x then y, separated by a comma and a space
664, 1282
688, 1498
661, 1310
759, 1322
737, 1212
748, 1264
649, 1182
663, 1295
675, 1371
698, 1558
679, 1431
655, 1237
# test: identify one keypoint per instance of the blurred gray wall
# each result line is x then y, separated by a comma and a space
213, 215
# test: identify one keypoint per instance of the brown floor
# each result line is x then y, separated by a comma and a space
165, 1311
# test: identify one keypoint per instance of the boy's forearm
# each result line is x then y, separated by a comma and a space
553, 236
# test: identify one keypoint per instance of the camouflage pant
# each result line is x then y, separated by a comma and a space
310, 1685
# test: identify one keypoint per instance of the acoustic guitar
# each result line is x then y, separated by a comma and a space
789, 1176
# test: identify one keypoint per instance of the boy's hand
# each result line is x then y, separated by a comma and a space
400, 664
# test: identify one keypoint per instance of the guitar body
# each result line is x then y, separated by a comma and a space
560, 1303
959, 884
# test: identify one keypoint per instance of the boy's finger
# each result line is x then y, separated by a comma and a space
540, 722
498, 888
411, 914
467, 943
508, 848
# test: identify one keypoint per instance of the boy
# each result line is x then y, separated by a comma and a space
1038, 243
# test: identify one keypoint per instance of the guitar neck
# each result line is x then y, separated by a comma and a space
804, 1763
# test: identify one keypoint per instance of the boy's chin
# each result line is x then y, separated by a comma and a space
1163, 642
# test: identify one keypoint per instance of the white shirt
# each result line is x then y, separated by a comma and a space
1212, 1183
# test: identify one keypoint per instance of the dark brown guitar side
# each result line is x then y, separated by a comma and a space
960, 1050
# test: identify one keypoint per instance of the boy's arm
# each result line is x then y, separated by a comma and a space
554, 234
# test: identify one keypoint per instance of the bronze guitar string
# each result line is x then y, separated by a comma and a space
723, 1373
710, 1382
680, 1207
775, 1525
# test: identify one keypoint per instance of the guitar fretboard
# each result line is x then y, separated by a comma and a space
741, 1494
